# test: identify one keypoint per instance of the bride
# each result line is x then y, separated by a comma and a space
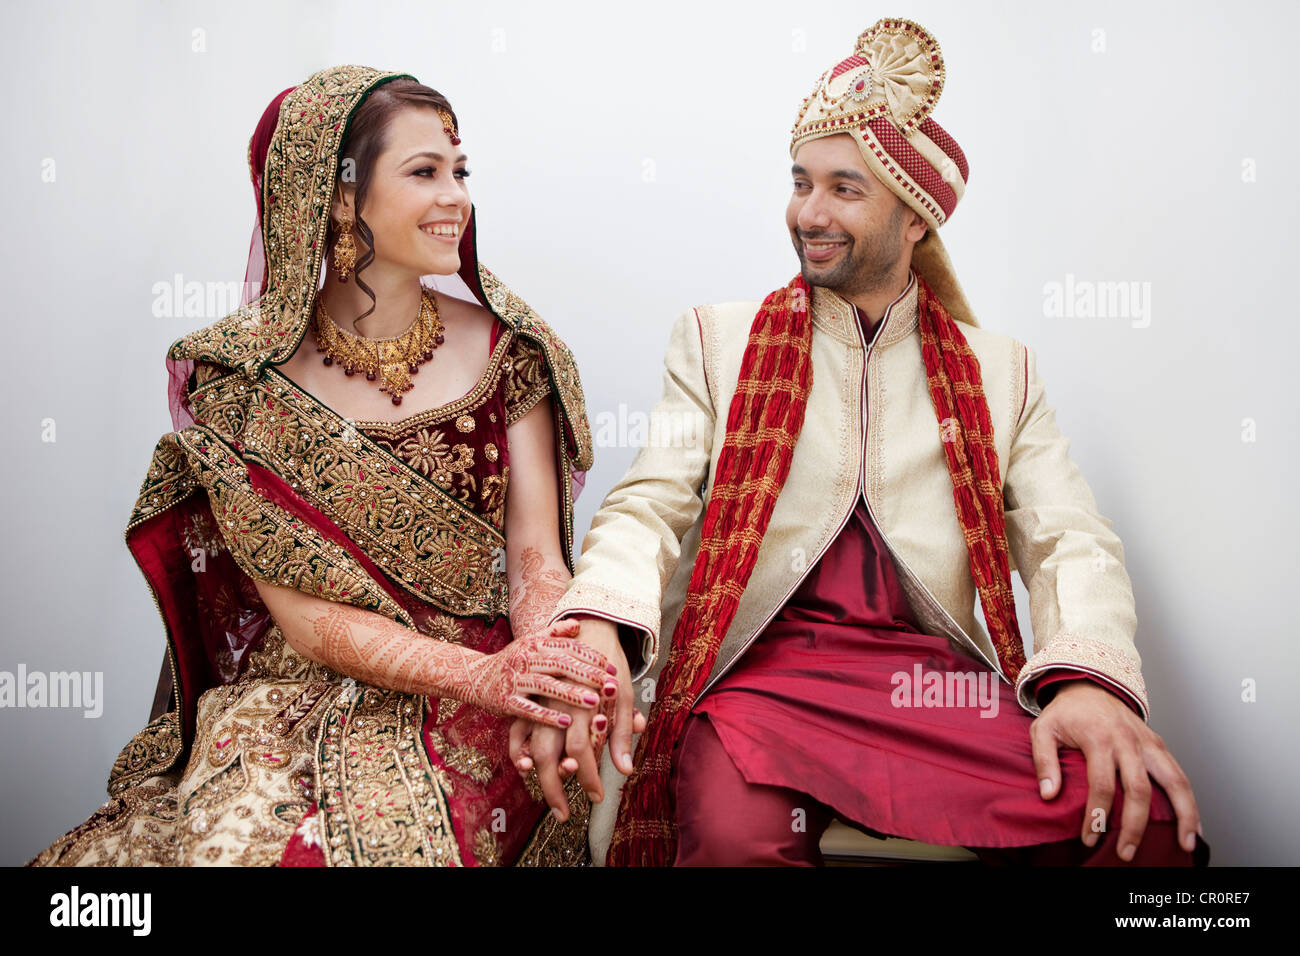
359, 528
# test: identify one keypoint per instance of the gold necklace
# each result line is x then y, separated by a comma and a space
393, 360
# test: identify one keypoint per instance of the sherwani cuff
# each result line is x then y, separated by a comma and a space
1100, 660
638, 622
1061, 675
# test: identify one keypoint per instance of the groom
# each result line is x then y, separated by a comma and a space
871, 461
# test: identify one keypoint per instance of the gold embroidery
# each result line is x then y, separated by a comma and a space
136, 828
228, 782
250, 780
494, 496
561, 844
424, 450
487, 848
490, 452
150, 752
447, 707
1084, 653
384, 803
453, 467
205, 372
271, 545
463, 759
430, 542
564, 371
526, 381
465, 423
168, 482
534, 786
275, 658
444, 627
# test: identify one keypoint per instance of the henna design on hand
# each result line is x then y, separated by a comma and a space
503, 681
375, 649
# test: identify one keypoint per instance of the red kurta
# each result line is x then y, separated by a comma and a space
812, 706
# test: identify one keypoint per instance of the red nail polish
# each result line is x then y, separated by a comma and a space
611, 690
590, 699
565, 720
612, 669
599, 722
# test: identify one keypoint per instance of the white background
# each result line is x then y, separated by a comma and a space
629, 163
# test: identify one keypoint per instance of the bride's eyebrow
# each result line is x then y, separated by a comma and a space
436, 157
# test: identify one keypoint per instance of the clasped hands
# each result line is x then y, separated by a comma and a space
566, 737
567, 696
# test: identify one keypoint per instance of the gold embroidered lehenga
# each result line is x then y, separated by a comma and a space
265, 757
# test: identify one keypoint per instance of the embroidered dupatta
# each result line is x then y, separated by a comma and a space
265, 482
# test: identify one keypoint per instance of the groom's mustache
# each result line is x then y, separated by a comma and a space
823, 236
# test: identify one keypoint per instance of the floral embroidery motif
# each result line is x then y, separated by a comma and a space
453, 467
494, 496
487, 848
447, 707
149, 752
309, 830
526, 381
444, 627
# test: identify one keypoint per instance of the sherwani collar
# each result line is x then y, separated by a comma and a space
836, 316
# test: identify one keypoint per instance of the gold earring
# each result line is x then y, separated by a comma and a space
345, 251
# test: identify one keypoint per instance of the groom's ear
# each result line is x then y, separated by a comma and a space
918, 228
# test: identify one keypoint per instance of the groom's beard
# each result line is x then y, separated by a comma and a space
866, 266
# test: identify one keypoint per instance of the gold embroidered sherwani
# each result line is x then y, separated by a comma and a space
637, 559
